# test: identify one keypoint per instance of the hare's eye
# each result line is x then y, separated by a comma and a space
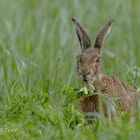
88, 73
80, 73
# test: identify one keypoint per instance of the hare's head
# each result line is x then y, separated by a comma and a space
88, 62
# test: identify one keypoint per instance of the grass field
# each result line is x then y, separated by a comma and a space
38, 46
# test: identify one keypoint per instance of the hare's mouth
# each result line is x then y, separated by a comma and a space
85, 79
89, 81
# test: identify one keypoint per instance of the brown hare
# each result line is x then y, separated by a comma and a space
90, 71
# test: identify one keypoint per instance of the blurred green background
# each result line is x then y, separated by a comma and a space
38, 46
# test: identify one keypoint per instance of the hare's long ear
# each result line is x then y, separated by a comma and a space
82, 36
101, 35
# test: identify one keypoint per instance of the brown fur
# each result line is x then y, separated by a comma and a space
90, 70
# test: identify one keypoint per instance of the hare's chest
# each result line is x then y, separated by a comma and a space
89, 104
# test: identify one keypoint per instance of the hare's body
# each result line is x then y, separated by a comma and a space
119, 92
90, 70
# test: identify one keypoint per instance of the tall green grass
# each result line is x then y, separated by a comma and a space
38, 46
